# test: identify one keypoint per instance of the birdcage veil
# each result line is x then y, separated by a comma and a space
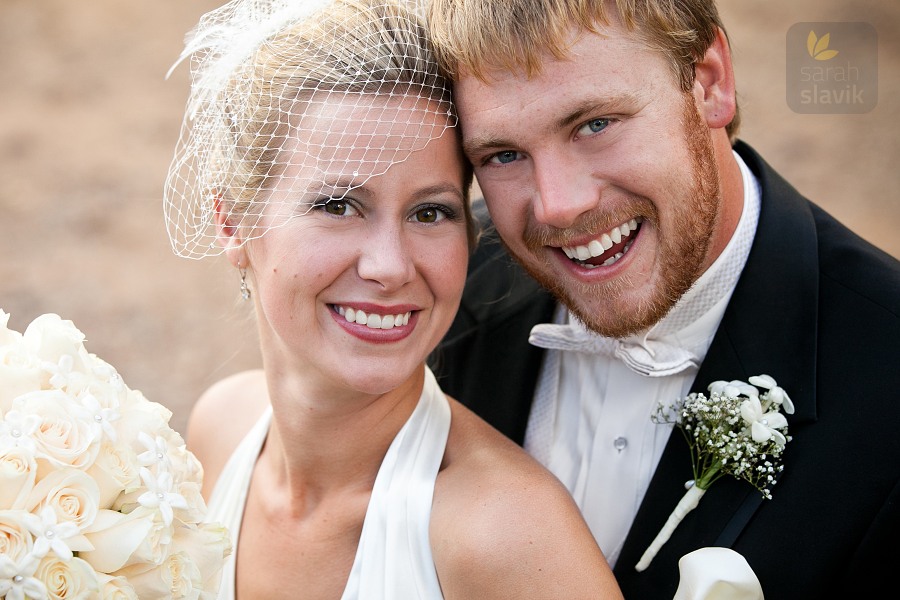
293, 102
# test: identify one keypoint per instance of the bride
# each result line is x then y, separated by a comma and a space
320, 155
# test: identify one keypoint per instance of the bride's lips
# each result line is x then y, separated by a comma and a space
375, 323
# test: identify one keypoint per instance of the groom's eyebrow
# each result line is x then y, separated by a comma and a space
479, 144
625, 102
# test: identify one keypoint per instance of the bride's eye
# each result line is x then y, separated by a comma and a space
338, 208
428, 215
433, 214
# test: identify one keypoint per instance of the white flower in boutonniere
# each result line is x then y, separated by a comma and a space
736, 431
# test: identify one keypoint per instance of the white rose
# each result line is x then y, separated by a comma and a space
106, 392
184, 465
15, 539
18, 470
50, 338
137, 415
116, 471
196, 505
115, 588
122, 540
7, 335
73, 579
19, 373
72, 494
208, 545
177, 577
66, 435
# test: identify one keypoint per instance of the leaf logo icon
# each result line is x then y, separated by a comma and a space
818, 46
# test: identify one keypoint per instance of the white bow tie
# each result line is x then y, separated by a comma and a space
652, 358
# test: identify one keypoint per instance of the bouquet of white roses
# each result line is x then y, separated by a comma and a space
99, 497
736, 431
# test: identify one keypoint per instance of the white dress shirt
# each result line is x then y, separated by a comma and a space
590, 422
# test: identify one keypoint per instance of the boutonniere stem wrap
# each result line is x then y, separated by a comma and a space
737, 430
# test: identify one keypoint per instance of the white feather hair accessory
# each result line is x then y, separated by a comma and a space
293, 103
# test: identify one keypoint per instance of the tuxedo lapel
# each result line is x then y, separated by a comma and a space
777, 292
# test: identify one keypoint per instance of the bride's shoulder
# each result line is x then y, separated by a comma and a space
474, 447
221, 418
486, 476
498, 513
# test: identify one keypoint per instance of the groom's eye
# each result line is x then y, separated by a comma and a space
505, 157
593, 126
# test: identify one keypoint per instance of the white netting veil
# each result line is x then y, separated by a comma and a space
292, 103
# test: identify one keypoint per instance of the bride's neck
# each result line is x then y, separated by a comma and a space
322, 440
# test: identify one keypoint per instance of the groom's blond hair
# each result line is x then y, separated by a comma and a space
475, 36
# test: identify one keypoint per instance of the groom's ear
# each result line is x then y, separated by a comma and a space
714, 88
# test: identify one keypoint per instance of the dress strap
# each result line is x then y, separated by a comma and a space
394, 557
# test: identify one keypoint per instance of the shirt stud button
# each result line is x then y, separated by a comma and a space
620, 443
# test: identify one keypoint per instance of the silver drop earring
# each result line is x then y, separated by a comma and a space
245, 291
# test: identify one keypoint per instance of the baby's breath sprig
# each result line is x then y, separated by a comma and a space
736, 431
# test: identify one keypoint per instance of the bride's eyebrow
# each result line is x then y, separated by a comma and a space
330, 184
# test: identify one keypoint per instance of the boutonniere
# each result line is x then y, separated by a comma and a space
736, 430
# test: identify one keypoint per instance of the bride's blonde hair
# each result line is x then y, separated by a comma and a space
257, 69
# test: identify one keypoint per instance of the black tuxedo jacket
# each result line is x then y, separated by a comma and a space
818, 309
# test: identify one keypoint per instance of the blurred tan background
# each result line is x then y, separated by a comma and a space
88, 126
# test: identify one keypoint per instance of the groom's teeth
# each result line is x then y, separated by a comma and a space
373, 321
603, 243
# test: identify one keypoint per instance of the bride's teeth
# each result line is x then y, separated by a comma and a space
373, 321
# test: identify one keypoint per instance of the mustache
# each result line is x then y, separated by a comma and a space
592, 223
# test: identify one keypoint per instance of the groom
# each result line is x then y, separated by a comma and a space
664, 255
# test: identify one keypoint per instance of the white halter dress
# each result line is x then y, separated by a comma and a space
393, 560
